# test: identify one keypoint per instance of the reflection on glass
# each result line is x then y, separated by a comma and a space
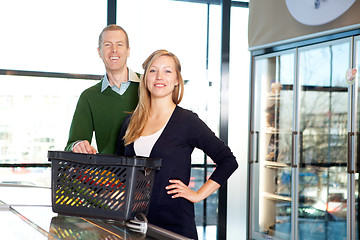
13, 227
274, 80
323, 141
65, 227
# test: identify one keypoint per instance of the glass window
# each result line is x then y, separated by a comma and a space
36, 112
36, 115
186, 37
53, 36
238, 121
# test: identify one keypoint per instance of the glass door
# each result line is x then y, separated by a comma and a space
271, 146
305, 143
323, 134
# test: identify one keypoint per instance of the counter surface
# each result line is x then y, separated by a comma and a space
26, 213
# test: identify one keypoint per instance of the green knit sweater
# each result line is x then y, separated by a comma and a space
102, 112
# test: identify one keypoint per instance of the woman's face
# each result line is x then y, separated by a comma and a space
162, 78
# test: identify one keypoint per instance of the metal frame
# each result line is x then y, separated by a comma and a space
355, 63
111, 11
218, 2
305, 42
49, 74
295, 152
351, 168
224, 107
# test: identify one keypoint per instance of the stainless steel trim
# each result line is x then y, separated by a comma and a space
350, 215
352, 132
295, 152
165, 233
294, 203
306, 37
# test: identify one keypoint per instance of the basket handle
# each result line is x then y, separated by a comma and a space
105, 159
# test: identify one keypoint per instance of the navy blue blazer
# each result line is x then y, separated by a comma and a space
183, 132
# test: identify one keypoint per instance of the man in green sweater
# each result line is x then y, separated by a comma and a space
103, 107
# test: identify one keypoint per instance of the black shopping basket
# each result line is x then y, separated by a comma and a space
101, 185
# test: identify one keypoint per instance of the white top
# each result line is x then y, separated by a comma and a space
144, 144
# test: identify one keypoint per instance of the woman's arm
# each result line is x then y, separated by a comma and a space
199, 135
202, 137
179, 189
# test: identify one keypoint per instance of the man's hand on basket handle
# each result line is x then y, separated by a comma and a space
83, 147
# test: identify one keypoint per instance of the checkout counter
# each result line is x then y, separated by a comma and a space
26, 213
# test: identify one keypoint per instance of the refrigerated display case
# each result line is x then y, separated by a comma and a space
303, 141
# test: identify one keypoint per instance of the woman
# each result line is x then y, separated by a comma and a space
160, 128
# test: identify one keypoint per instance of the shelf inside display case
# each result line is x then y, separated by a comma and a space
276, 165
322, 164
273, 130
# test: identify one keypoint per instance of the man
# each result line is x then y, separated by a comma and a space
103, 107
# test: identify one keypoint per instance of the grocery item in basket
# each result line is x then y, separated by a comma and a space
101, 186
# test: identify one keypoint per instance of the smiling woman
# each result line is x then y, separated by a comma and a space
181, 131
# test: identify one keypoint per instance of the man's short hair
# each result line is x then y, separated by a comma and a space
113, 27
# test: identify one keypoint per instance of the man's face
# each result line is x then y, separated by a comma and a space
113, 50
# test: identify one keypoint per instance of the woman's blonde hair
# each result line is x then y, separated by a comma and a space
141, 112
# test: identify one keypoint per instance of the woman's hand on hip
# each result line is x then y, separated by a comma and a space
178, 189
